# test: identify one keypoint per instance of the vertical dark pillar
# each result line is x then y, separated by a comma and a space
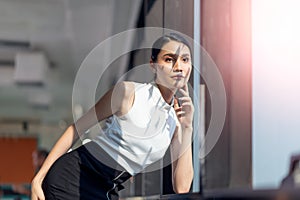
226, 28
241, 87
215, 31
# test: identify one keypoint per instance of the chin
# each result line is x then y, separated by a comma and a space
179, 85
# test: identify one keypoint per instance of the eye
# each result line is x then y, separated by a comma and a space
186, 59
168, 59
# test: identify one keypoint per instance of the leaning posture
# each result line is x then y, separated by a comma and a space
139, 122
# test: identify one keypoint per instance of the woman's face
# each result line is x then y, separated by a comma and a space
173, 66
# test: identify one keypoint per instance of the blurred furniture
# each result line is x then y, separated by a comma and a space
292, 180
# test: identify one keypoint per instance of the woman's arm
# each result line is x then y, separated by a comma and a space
182, 166
181, 151
117, 100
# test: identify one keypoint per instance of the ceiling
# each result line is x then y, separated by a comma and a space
65, 31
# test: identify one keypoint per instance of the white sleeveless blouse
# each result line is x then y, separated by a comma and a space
142, 136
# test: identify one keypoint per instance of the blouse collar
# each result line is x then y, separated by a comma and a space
162, 100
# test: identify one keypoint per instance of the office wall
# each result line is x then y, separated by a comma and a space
16, 159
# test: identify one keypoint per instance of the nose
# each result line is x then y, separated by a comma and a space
177, 66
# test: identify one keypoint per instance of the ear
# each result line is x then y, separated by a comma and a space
152, 66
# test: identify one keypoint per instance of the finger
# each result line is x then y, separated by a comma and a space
187, 107
176, 104
39, 195
183, 92
186, 88
180, 113
33, 197
188, 74
185, 99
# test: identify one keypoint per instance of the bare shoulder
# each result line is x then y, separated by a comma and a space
123, 95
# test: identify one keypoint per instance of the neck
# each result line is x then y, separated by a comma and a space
166, 93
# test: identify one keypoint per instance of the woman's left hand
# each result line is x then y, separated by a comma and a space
185, 111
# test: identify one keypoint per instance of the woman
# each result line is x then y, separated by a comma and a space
138, 123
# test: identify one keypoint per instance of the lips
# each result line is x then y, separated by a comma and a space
178, 76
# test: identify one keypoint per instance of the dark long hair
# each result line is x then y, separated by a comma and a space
160, 42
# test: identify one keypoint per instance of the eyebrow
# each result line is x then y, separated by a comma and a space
175, 55
185, 55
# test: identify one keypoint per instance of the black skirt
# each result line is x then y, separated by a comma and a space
79, 175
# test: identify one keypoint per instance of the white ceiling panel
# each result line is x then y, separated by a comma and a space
65, 31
